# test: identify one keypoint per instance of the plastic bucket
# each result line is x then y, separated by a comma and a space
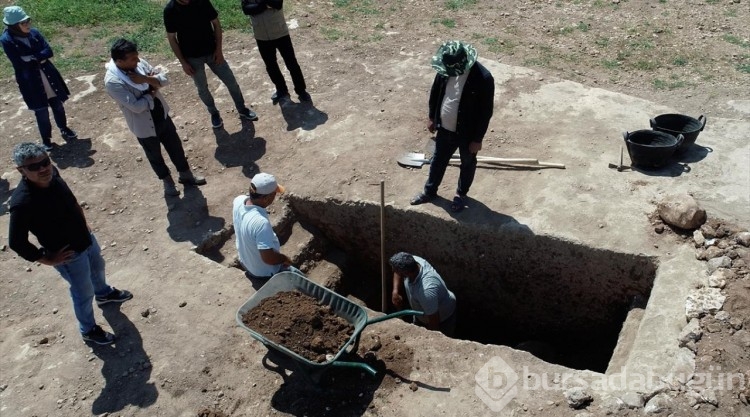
676, 124
651, 148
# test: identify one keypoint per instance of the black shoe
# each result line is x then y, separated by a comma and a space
216, 121
248, 114
116, 296
192, 180
305, 97
68, 134
279, 97
421, 198
98, 336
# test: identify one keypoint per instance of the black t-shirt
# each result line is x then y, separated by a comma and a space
52, 214
192, 24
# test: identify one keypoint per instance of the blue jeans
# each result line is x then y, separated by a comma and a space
226, 76
85, 274
446, 143
42, 119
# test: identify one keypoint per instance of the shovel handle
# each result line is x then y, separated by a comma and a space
533, 161
394, 315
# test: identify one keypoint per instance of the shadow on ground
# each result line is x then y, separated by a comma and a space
126, 367
76, 153
188, 217
303, 116
240, 149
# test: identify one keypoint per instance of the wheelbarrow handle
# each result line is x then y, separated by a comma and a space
394, 315
363, 366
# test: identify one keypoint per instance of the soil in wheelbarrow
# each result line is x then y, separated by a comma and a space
301, 324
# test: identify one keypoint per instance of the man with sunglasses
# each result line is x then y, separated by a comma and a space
43, 205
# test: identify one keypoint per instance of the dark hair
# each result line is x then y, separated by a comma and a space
403, 261
121, 48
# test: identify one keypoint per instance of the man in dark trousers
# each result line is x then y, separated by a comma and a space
135, 86
271, 34
44, 205
461, 105
195, 36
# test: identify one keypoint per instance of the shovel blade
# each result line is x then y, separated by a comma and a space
412, 160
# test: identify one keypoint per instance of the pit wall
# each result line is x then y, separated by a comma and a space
503, 275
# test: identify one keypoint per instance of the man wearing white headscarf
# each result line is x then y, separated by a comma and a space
460, 108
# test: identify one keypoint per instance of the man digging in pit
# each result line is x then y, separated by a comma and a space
425, 290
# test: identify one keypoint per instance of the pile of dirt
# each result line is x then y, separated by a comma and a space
300, 323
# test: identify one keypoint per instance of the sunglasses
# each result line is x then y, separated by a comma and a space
25, 22
36, 166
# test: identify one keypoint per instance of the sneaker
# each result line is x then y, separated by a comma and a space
305, 97
278, 97
191, 179
170, 190
98, 336
68, 134
116, 296
216, 121
48, 147
248, 114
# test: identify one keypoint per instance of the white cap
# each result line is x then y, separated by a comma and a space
265, 184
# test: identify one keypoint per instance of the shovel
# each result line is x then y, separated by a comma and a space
416, 160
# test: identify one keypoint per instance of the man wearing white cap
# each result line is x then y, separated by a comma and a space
258, 246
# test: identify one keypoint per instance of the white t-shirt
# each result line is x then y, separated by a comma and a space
451, 100
253, 232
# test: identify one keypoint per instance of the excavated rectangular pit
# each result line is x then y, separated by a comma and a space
563, 302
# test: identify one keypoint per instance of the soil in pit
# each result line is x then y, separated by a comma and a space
301, 324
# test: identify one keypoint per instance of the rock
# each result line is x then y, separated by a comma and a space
577, 397
743, 238
709, 397
413, 386
584, 414
741, 338
720, 277
690, 333
722, 316
738, 264
183, 304
708, 231
145, 313
632, 399
659, 229
703, 301
44, 341
714, 327
712, 252
611, 405
736, 323
698, 238
716, 263
681, 211
657, 404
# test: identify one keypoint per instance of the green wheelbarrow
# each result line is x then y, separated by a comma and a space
342, 307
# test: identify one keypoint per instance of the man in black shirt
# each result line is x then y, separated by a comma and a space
44, 205
195, 36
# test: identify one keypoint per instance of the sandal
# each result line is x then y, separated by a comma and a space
458, 204
421, 198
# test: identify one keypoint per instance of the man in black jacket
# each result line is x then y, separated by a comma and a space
44, 205
460, 108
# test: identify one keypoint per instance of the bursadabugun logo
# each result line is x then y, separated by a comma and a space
496, 383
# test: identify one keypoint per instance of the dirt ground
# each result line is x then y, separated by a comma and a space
180, 352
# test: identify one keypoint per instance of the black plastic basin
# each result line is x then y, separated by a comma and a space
676, 124
651, 148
